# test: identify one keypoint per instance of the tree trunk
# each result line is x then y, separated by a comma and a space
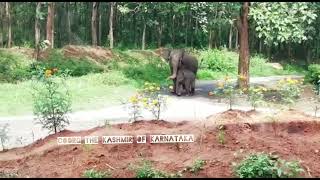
95, 6
68, 23
237, 40
160, 34
100, 28
210, 39
244, 61
230, 37
1, 24
8, 14
260, 45
111, 24
144, 35
50, 24
37, 30
172, 31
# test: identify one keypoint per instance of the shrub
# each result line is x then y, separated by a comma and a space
147, 171
134, 106
290, 90
95, 174
4, 135
153, 101
197, 166
217, 60
227, 90
13, 67
267, 166
76, 67
255, 96
51, 103
313, 74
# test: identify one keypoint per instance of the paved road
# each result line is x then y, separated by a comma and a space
197, 107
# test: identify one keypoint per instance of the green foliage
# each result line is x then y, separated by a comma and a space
221, 136
255, 96
153, 100
8, 174
197, 166
92, 173
313, 74
226, 89
51, 102
145, 72
13, 67
283, 21
76, 67
147, 171
290, 90
216, 60
267, 166
4, 135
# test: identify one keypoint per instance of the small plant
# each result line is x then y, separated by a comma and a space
51, 103
147, 171
290, 90
96, 174
227, 90
152, 99
221, 136
263, 165
87, 147
8, 174
134, 106
4, 135
255, 96
197, 166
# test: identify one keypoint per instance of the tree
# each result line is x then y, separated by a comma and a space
244, 56
94, 24
50, 24
112, 4
37, 29
8, 16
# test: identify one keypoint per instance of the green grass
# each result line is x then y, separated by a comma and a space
88, 92
219, 63
123, 76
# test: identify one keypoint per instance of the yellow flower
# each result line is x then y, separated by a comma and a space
144, 99
171, 87
220, 84
48, 73
133, 99
242, 77
154, 102
145, 104
158, 88
146, 83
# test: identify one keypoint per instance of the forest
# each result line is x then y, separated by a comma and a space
159, 89
290, 35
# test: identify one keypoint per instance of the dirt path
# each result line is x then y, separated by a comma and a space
23, 130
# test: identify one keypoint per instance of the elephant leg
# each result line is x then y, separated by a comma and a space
178, 89
193, 87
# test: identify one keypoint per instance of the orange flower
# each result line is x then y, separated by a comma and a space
210, 93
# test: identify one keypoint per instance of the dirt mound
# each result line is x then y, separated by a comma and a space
288, 140
98, 54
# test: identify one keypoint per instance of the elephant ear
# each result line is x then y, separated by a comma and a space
165, 53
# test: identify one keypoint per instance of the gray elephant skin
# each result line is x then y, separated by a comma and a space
185, 80
179, 59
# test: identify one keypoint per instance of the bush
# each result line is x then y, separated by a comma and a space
197, 166
146, 171
217, 60
13, 68
76, 67
256, 96
313, 74
290, 90
51, 103
95, 174
267, 166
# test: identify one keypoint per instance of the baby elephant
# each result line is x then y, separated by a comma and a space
186, 79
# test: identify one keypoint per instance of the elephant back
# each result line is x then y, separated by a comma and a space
190, 62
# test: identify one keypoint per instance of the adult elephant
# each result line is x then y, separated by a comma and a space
179, 59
